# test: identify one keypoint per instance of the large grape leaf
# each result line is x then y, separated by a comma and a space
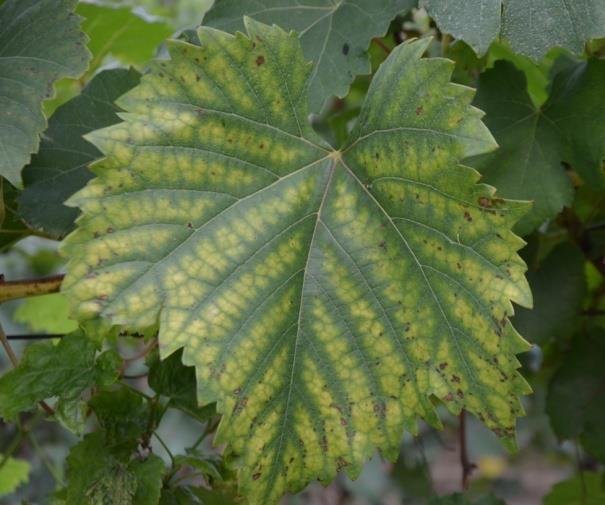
59, 169
334, 35
323, 296
40, 41
531, 27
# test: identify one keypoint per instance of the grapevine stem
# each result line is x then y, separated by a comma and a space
12, 290
467, 465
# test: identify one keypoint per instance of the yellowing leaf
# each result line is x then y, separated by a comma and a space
323, 296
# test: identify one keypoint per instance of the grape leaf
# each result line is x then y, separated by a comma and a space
13, 473
574, 402
334, 35
531, 27
60, 168
528, 163
324, 296
558, 286
64, 370
576, 107
121, 33
585, 489
40, 42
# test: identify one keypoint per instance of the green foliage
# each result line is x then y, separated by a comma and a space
535, 141
121, 34
13, 473
531, 27
60, 167
585, 489
47, 314
40, 42
575, 394
334, 35
461, 499
63, 370
558, 285
328, 226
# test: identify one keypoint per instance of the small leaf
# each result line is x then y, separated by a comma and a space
323, 296
149, 474
64, 370
171, 378
575, 394
13, 473
335, 36
46, 314
60, 168
40, 42
558, 286
585, 489
531, 27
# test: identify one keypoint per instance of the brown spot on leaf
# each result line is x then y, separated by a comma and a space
468, 217
345, 49
256, 476
419, 110
260, 60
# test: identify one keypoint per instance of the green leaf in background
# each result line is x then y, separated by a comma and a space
335, 36
170, 378
461, 499
60, 167
46, 314
40, 42
323, 296
13, 473
528, 164
121, 33
585, 489
558, 286
531, 27
12, 227
63, 370
575, 395
96, 476
576, 108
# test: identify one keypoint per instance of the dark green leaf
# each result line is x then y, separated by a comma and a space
60, 168
461, 499
40, 41
149, 475
12, 228
527, 166
335, 36
575, 395
558, 286
585, 489
176, 381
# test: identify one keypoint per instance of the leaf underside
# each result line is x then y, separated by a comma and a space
323, 296
531, 27
334, 35
40, 42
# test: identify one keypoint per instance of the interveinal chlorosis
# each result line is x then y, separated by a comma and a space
324, 296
